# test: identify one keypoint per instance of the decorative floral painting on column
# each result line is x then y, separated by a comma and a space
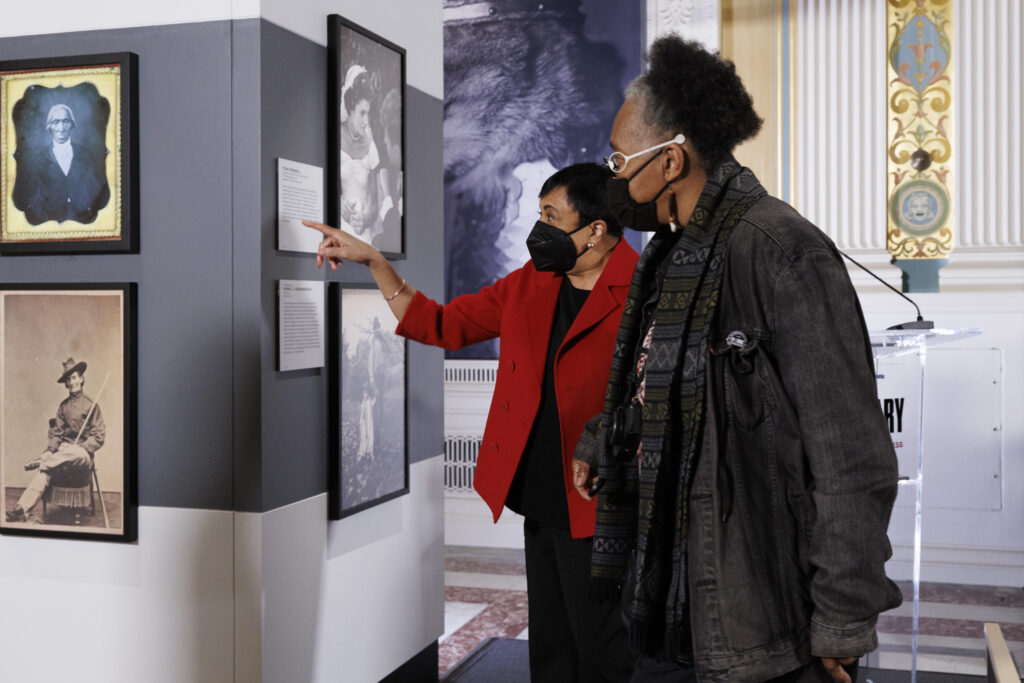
920, 120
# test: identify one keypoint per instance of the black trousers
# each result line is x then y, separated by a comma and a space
652, 671
572, 638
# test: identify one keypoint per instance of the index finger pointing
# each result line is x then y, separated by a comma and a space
325, 229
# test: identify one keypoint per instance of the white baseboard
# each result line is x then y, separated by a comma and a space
159, 610
468, 521
947, 564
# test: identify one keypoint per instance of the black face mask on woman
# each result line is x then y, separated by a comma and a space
551, 249
642, 216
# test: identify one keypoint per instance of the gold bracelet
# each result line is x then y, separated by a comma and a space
397, 291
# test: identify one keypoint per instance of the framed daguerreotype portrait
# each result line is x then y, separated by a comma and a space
68, 410
366, 136
69, 155
369, 461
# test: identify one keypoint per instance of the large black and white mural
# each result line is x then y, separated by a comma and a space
530, 87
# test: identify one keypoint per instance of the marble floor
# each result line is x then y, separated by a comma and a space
485, 596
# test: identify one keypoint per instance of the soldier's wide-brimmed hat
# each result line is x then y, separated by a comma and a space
71, 366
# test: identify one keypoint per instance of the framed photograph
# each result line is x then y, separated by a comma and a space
69, 155
369, 460
68, 410
366, 136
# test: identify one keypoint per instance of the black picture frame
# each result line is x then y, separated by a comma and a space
375, 68
365, 363
41, 326
92, 205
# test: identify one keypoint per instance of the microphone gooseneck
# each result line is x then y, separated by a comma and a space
919, 324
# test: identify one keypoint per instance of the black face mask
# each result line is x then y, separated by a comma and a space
551, 249
642, 216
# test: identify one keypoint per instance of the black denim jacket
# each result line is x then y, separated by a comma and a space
796, 479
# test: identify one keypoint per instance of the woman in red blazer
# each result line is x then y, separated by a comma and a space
557, 318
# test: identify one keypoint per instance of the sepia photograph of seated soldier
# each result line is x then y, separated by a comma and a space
65, 468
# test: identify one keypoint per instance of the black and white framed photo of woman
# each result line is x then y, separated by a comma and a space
69, 155
369, 462
366, 138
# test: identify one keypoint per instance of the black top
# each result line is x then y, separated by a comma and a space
538, 489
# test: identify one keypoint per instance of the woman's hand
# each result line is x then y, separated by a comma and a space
581, 478
835, 669
338, 246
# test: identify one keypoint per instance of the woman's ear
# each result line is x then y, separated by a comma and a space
598, 229
676, 163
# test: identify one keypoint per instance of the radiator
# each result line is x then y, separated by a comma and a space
460, 451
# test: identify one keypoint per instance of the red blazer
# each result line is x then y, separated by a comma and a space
519, 308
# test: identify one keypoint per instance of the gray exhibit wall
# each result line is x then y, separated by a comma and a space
184, 268
247, 317
293, 96
232, 453
219, 102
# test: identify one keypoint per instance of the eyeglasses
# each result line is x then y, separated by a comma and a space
617, 160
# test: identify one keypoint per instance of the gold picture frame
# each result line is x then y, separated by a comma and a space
69, 155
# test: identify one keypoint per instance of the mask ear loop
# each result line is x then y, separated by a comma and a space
590, 245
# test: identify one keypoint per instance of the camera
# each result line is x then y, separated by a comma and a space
624, 435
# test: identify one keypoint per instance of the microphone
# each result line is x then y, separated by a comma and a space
919, 324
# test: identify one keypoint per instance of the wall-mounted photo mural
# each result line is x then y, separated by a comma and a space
528, 89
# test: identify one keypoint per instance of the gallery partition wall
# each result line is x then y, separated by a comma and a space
236, 574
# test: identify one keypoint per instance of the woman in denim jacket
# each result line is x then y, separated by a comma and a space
745, 471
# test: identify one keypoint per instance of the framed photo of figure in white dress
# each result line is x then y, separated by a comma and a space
369, 461
366, 136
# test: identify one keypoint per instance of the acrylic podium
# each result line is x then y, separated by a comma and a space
889, 344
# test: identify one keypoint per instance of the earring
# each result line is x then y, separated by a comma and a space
673, 219
590, 245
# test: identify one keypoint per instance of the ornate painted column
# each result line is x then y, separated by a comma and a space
919, 233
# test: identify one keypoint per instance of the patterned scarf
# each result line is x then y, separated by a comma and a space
646, 510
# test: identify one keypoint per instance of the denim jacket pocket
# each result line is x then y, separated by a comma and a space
748, 394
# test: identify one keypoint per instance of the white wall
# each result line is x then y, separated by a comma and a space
355, 599
840, 108
65, 16
215, 596
301, 599
342, 601
977, 535
419, 30
159, 611
840, 138
414, 24
973, 522
840, 104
